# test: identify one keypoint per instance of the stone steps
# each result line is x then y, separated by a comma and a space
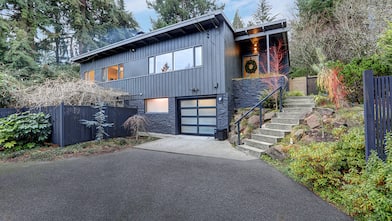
293, 113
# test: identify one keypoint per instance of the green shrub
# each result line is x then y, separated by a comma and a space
24, 130
368, 195
322, 166
352, 74
338, 172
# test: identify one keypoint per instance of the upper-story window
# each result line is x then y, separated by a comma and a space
164, 63
89, 75
178, 60
114, 72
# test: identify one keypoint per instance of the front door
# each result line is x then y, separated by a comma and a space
198, 116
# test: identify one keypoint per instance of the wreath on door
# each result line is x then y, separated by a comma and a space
250, 66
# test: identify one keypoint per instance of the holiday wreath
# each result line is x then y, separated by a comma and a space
250, 66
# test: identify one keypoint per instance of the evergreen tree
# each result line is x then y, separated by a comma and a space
237, 21
174, 11
20, 55
263, 13
4, 30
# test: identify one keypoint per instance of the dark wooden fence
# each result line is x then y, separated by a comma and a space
378, 111
66, 126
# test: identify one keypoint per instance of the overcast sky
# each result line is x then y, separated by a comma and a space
284, 9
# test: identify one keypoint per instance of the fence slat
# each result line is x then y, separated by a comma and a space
377, 93
368, 93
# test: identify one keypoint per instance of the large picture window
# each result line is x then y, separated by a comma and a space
164, 63
178, 60
157, 105
112, 73
183, 59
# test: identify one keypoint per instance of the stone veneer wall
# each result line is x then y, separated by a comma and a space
158, 122
166, 122
246, 92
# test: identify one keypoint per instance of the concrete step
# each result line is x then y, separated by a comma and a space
299, 98
276, 126
298, 105
290, 103
272, 132
257, 144
250, 150
288, 120
297, 109
297, 115
266, 138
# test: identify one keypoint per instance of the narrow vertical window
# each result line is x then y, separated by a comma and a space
121, 71
151, 65
89, 75
198, 56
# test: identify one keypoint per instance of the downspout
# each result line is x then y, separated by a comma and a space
268, 55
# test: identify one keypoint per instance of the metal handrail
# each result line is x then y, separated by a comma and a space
260, 105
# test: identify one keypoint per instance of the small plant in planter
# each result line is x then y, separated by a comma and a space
136, 124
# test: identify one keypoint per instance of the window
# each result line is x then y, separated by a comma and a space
183, 59
151, 65
164, 63
114, 72
178, 60
89, 75
198, 56
157, 105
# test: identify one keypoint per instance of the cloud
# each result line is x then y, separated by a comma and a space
136, 6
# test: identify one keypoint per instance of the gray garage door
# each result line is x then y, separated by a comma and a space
198, 116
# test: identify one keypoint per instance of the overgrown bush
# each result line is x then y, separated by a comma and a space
337, 171
368, 195
9, 86
24, 131
135, 124
352, 72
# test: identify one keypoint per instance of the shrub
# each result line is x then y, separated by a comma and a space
8, 88
322, 166
24, 130
368, 195
352, 72
136, 124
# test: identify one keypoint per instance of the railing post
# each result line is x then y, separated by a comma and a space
368, 95
261, 114
238, 134
280, 98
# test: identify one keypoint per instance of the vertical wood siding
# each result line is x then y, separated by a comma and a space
175, 83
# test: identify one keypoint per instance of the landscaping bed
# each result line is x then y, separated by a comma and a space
50, 152
327, 154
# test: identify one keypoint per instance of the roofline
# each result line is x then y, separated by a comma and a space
280, 21
172, 27
218, 15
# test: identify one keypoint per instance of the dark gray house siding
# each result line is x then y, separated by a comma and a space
221, 63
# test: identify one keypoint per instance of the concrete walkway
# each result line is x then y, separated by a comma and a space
195, 145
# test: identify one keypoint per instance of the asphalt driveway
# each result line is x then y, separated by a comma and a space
140, 184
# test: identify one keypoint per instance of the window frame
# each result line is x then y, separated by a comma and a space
119, 75
153, 64
160, 99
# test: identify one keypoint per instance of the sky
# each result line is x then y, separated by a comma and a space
284, 9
